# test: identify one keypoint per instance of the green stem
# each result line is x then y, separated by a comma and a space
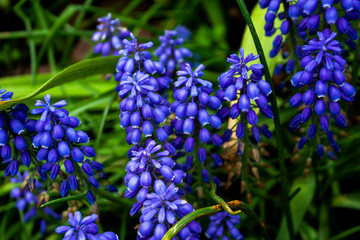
65, 199
355, 69
41, 33
102, 193
279, 140
103, 119
221, 201
77, 23
346, 233
43, 24
236, 205
31, 42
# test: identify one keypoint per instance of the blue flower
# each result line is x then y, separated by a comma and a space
219, 222
15, 130
190, 82
169, 53
323, 45
27, 199
161, 210
136, 58
246, 80
83, 228
142, 107
110, 36
133, 86
183, 32
60, 143
323, 74
146, 166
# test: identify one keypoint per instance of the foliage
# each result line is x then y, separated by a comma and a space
270, 135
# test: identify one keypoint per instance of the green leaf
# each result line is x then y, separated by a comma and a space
307, 231
299, 204
347, 201
257, 16
78, 71
346, 233
65, 199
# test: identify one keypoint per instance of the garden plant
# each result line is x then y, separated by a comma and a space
194, 119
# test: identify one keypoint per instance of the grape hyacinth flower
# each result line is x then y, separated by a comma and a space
192, 107
248, 91
273, 8
183, 32
109, 35
169, 53
60, 143
218, 224
15, 130
147, 165
307, 17
142, 109
84, 228
136, 57
161, 210
323, 76
28, 197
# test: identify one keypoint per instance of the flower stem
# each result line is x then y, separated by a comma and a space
279, 140
236, 205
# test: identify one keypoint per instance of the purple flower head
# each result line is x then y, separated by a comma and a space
15, 129
183, 32
81, 228
132, 47
59, 144
136, 58
190, 80
27, 198
169, 52
324, 75
219, 222
191, 108
47, 110
138, 84
161, 210
146, 165
244, 83
323, 45
142, 109
109, 35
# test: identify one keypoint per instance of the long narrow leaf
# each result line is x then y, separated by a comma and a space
78, 71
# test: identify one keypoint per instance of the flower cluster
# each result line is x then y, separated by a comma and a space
142, 110
110, 36
307, 17
60, 143
84, 228
218, 224
168, 53
192, 108
143, 113
15, 129
273, 7
329, 9
238, 84
160, 211
136, 58
323, 74
321, 59
26, 199
147, 165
